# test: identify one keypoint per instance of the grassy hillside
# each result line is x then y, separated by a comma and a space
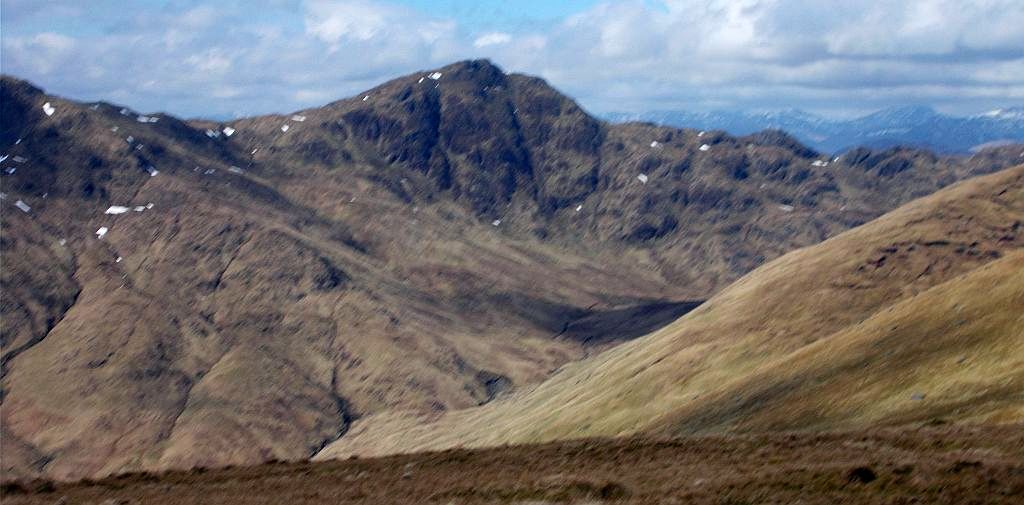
952, 353
912, 317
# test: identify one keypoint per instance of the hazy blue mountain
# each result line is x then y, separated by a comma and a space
912, 126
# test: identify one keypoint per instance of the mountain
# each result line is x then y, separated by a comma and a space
911, 318
245, 305
898, 126
1010, 114
181, 293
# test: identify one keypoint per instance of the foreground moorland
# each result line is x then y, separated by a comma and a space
926, 464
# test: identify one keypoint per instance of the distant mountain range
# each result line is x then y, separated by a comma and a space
915, 126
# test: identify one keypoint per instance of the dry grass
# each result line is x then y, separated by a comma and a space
943, 464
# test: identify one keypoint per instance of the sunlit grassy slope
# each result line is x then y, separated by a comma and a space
913, 317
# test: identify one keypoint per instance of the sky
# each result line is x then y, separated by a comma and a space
235, 58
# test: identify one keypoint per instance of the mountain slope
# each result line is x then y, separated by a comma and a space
245, 315
952, 352
428, 245
843, 334
514, 150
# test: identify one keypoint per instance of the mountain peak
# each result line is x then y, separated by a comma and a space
779, 138
1010, 113
479, 71
904, 113
12, 88
480, 65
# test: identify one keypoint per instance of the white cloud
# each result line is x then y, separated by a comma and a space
705, 53
214, 61
929, 27
632, 54
200, 17
335, 20
492, 39
41, 53
338, 22
313, 96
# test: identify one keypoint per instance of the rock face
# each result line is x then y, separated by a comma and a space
270, 286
